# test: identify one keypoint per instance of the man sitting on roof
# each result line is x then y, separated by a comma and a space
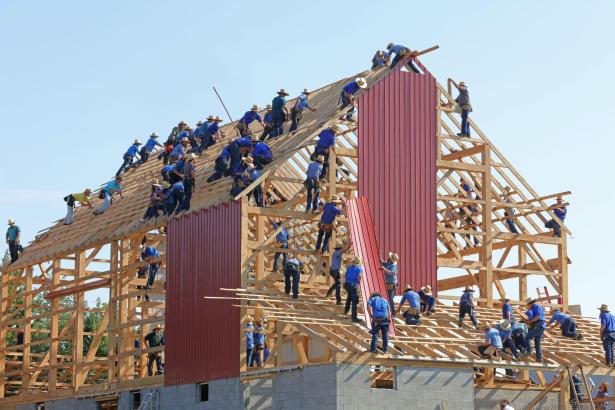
378, 309
492, 345
504, 327
428, 302
567, 324
347, 96
413, 313
379, 60
560, 211
82, 198
221, 166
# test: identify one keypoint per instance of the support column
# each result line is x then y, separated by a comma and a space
562, 256
486, 256
27, 332
54, 328
79, 322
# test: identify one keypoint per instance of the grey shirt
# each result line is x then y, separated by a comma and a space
464, 97
188, 169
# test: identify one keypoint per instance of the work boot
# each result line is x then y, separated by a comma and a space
460, 324
356, 320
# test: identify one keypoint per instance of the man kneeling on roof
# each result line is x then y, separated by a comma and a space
493, 342
156, 203
413, 314
567, 325
378, 309
82, 198
504, 327
428, 302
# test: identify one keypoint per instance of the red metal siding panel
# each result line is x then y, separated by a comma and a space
203, 335
365, 245
397, 169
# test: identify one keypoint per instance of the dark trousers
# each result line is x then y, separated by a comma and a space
465, 125
608, 338
173, 178
294, 275
380, 325
465, 309
511, 224
206, 141
258, 196
178, 199
345, 102
428, 305
295, 117
266, 132
569, 328
535, 333
14, 250
352, 299
276, 256
470, 222
151, 277
125, 165
278, 124
391, 295
312, 187
519, 339
325, 243
144, 156
337, 287
235, 156
557, 230
188, 186
409, 64
411, 319
256, 357
153, 210
508, 343
151, 358
260, 161
222, 169
483, 349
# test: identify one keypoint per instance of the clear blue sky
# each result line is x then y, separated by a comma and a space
80, 80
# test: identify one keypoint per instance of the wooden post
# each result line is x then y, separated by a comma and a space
79, 323
113, 311
562, 255
4, 294
54, 328
487, 246
27, 332
245, 255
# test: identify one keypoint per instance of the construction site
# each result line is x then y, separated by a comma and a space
399, 166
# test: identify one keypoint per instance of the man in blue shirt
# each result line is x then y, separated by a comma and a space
400, 53
347, 96
326, 144
259, 343
13, 237
148, 254
428, 302
507, 310
413, 314
334, 270
379, 60
281, 241
292, 270
107, 194
222, 165
261, 153
537, 324
248, 118
177, 195
354, 274
463, 102
149, 146
180, 150
249, 341
607, 333
238, 148
312, 183
466, 306
559, 209
378, 309
329, 212
254, 174
567, 324
177, 174
279, 113
492, 344
128, 157
267, 123
389, 267
509, 212
296, 113
504, 327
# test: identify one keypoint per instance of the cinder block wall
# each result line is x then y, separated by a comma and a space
490, 398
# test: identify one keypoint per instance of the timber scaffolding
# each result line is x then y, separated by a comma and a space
64, 262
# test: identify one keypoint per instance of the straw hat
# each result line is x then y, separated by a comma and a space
159, 327
189, 157
505, 324
11, 222
199, 123
254, 108
254, 138
182, 122
375, 294
217, 118
407, 288
356, 261
486, 325
155, 182
137, 142
361, 82
258, 322
602, 308
185, 139
268, 107
283, 92
87, 191
153, 135
529, 301
320, 158
336, 199
468, 289
393, 256
426, 290
340, 244
248, 160
210, 118
306, 91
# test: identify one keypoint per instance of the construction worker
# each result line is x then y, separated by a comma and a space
347, 96
185, 133
279, 113
378, 309
400, 53
312, 183
413, 313
536, 323
467, 216
267, 123
149, 146
505, 405
329, 212
148, 254
237, 149
259, 343
567, 324
177, 195
222, 164
519, 331
215, 131
202, 132
463, 100
154, 339
607, 333
379, 60
281, 242
504, 327
389, 267
296, 113
428, 302
560, 211
241, 175
82, 198
166, 171
180, 149
335, 268
129, 155
325, 144
352, 281
177, 174
188, 180
13, 238
261, 153
248, 118
170, 142
292, 270
156, 204
249, 340
601, 396
107, 193
509, 212
466, 306
254, 174
181, 126
507, 310
492, 345
466, 187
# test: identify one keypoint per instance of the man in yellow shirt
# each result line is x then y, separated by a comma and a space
82, 198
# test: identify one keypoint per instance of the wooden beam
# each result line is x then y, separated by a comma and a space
77, 289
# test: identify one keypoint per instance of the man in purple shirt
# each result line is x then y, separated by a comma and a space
560, 211
329, 212
347, 96
248, 118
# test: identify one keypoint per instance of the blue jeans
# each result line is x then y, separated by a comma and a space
313, 193
125, 165
335, 274
325, 243
278, 125
107, 201
382, 326
391, 295
557, 230
569, 328
352, 299
288, 273
153, 270
295, 117
465, 126
465, 309
222, 169
428, 304
512, 226
346, 102
535, 333
607, 343
276, 257
508, 343
176, 206
256, 357
188, 184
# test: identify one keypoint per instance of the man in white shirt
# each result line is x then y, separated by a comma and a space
505, 405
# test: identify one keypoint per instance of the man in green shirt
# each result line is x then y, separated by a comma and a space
13, 235
154, 339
